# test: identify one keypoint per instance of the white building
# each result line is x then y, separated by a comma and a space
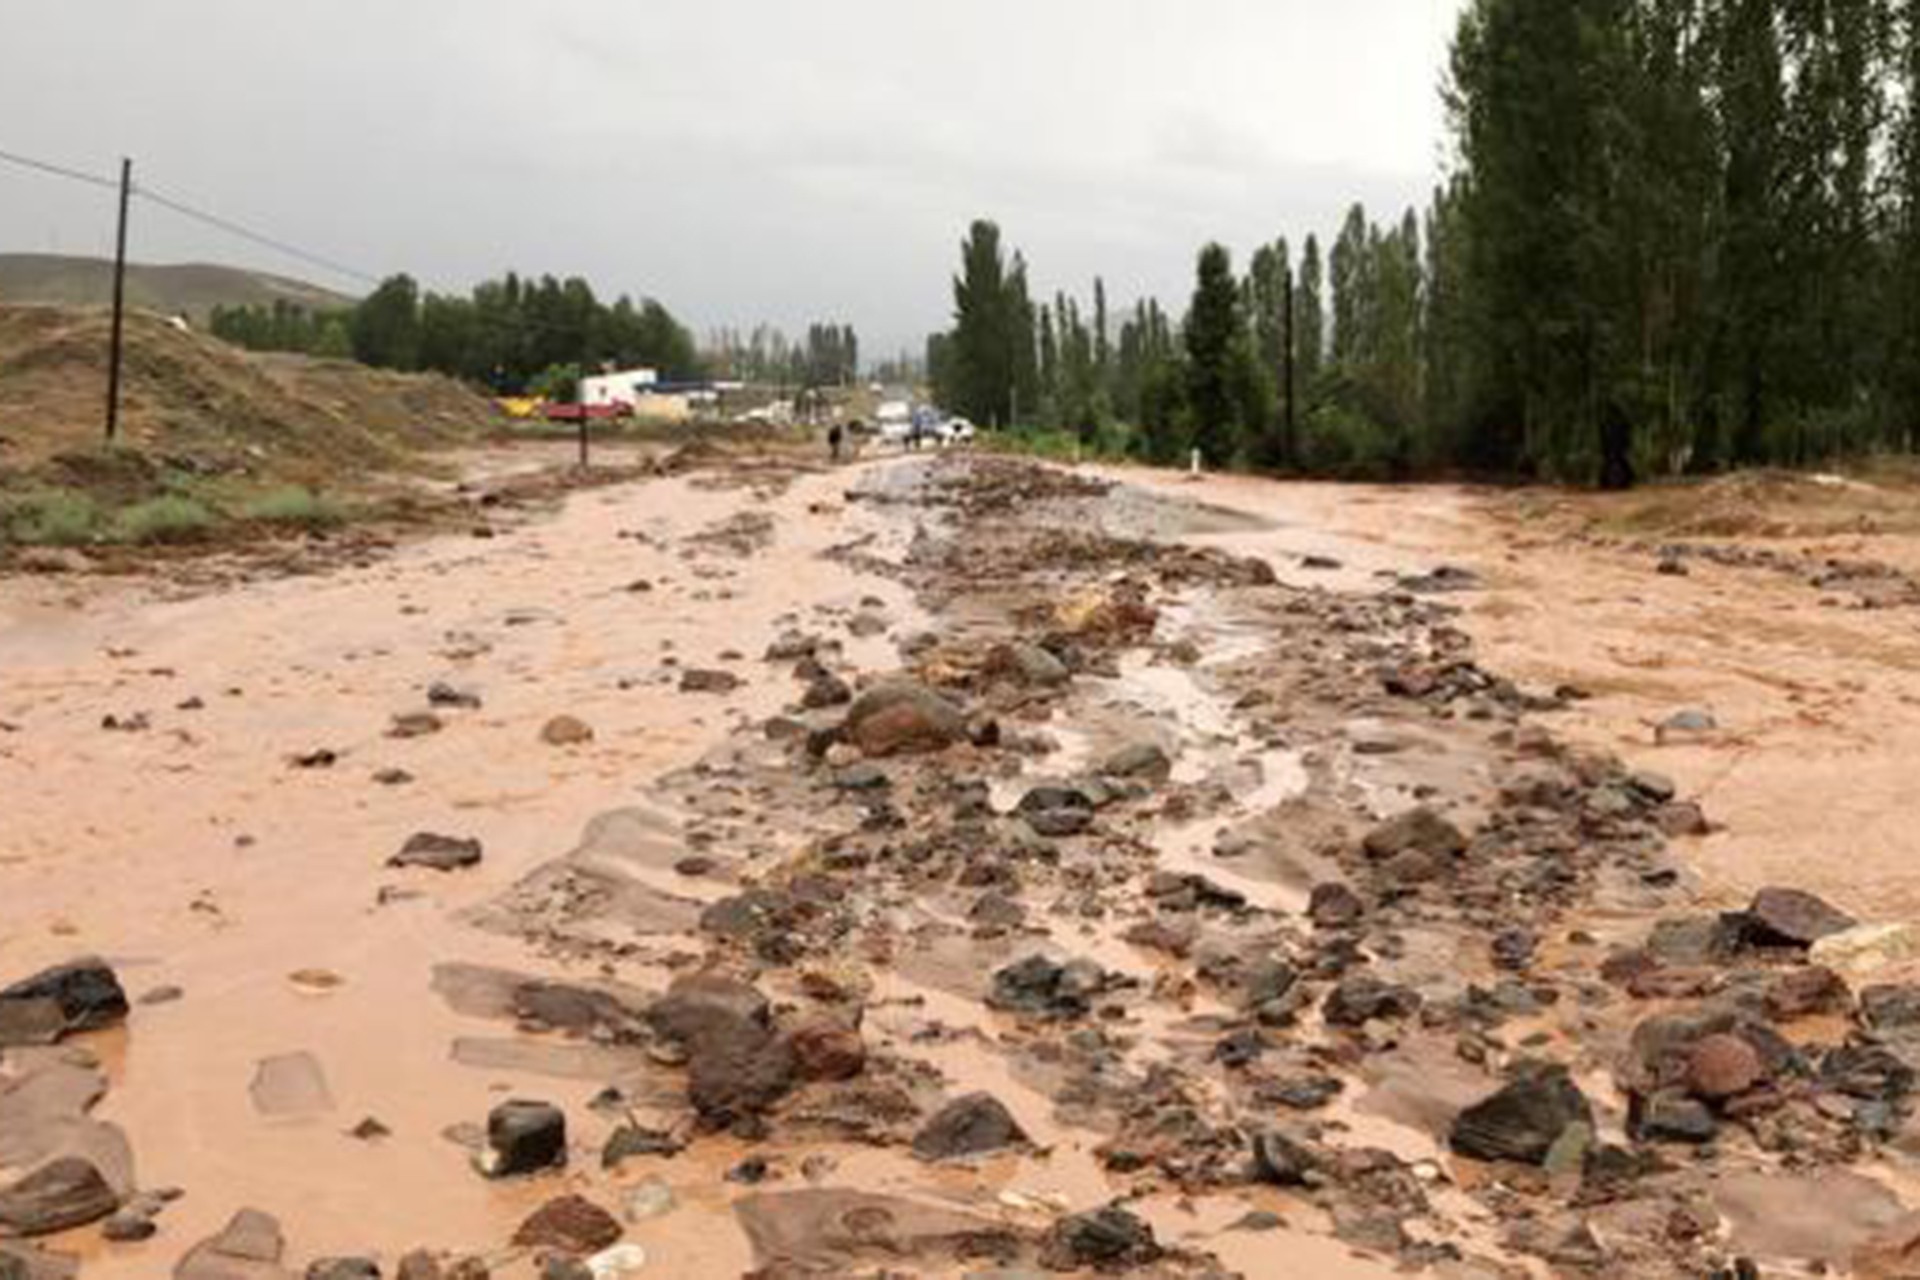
625, 387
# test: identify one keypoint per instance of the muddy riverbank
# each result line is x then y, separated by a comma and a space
951, 867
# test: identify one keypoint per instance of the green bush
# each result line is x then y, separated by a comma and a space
295, 505
53, 518
166, 519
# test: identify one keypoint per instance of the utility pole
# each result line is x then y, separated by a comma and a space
119, 303
580, 399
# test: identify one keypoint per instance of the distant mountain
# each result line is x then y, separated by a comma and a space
190, 289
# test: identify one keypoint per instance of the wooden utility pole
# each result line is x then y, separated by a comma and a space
119, 304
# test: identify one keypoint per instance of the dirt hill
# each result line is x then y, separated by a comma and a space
209, 408
189, 289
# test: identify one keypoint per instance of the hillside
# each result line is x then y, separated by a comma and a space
202, 406
189, 289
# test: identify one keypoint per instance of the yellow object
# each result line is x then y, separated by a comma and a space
522, 406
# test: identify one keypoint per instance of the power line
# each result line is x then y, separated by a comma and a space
59, 171
233, 228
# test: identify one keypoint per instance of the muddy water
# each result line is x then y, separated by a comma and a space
193, 853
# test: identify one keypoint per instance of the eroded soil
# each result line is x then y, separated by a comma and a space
1233, 839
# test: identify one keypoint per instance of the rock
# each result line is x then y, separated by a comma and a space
249, 1247
566, 731
630, 1142
1671, 1116
826, 690
1867, 1071
1691, 725
1043, 987
1866, 948
66, 1192
344, 1269
708, 680
1109, 1239
1284, 1161
442, 694
1800, 993
437, 852
1333, 905
1682, 818
1027, 664
1791, 918
129, 1226
572, 1224
1419, 830
970, 1125
414, 724
523, 1138
737, 1073
826, 1048
1722, 1066
1513, 949
82, 995
1145, 760
901, 717
702, 1002
622, 1262
1056, 811
1523, 1119
1359, 998
1890, 1006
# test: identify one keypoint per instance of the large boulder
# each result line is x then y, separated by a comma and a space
1522, 1120
900, 717
83, 995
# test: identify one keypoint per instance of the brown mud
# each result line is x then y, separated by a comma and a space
1156, 891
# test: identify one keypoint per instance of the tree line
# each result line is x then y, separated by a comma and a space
1675, 236
828, 356
510, 335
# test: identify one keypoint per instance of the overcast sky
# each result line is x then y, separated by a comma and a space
739, 160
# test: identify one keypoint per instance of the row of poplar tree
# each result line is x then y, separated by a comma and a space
1685, 229
512, 334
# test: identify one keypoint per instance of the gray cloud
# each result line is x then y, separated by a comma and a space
740, 160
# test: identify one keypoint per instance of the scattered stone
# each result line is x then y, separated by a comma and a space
1671, 1116
1418, 830
826, 690
900, 717
1691, 725
82, 995
1027, 664
1722, 1066
524, 1138
442, 694
392, 777
414, 724
344, 1269
369, 1129
1144, 760
825, 1048
970, 1125
1283, 1161
1047, 989
1360, 998
572, 1224
167, 994
319, 758
249, 1247
708, 680
1109, 1239
566, 731
1523, 1119
1055, 811
1867, 948
631, 1142
1801, 993
1791, 918
437, 852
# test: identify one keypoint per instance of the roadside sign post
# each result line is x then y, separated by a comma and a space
581, 401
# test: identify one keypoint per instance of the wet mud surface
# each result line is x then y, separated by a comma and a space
933, 867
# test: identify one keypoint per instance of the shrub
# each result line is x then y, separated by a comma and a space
53, 518
166, 519
295, 505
